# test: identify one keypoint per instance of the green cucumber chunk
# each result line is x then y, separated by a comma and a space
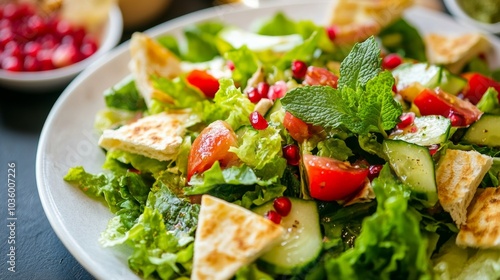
429, 76
425, 131
414, 166
484, 132
303, 241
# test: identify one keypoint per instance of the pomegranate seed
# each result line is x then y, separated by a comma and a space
88, 49
253, 95
44, 57
374, 171
257, 120
48, 41
282, 205
32, 48
65, 55
12, 48
230, 65
394, 88
10, 11
332, 31
277, 90
36, 24
263, 89
273, 216
63, 28
391, 61
12, 63
6, 35
406, 119
292, 154
31, 63
456, 120
79, 34
299, 69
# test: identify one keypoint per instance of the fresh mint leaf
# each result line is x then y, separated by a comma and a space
361, 65
359, 111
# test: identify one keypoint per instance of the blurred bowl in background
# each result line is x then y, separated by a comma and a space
139, 13
462, 15
50, 80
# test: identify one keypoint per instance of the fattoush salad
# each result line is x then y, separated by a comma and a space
358, 149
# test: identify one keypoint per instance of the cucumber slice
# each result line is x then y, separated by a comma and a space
451, 83
430, 76
414, 166
425, 131
303, 242
484, 132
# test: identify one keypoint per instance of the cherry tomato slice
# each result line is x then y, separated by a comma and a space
207, 83
438, 102
210, 146
477, 85
298, 129
331, 179
318, 76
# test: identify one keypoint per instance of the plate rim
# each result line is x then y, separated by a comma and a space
48, 204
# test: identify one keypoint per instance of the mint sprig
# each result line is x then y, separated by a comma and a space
361, 65
363, 103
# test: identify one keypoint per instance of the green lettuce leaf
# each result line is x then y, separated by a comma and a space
489, 102
139, 162
401, 37
124, 96
334, 148
229, 104
257, 148
183, 95
252, 271
202, 41
245, 62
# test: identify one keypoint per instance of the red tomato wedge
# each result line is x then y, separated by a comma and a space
477, 85
331, 179
210, 146
207, 83
319, 76
461, 112
298, 129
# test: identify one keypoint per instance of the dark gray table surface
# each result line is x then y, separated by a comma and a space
39, 254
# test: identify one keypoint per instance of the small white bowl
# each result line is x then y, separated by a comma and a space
50, 80
456, 10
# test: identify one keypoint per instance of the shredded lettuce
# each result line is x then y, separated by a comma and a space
229, 104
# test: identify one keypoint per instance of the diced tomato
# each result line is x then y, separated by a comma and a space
438, 102
298, 129
210, 146
207, 83
331, 179
318, 76
477, 85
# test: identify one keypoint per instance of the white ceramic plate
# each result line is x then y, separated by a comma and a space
68, 138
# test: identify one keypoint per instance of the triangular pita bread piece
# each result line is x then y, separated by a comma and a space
229, 237
458, 175
454, 51
357, 20
148, 59
157, 136
483, 222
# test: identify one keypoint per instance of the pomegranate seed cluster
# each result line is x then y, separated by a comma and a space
33, 41
282, 207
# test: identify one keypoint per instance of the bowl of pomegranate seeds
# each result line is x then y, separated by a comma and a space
44, 46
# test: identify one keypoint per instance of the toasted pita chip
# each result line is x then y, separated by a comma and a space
455, 51
148, 59
483, 221
229, 237
458, 175
357, 20
157, 136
